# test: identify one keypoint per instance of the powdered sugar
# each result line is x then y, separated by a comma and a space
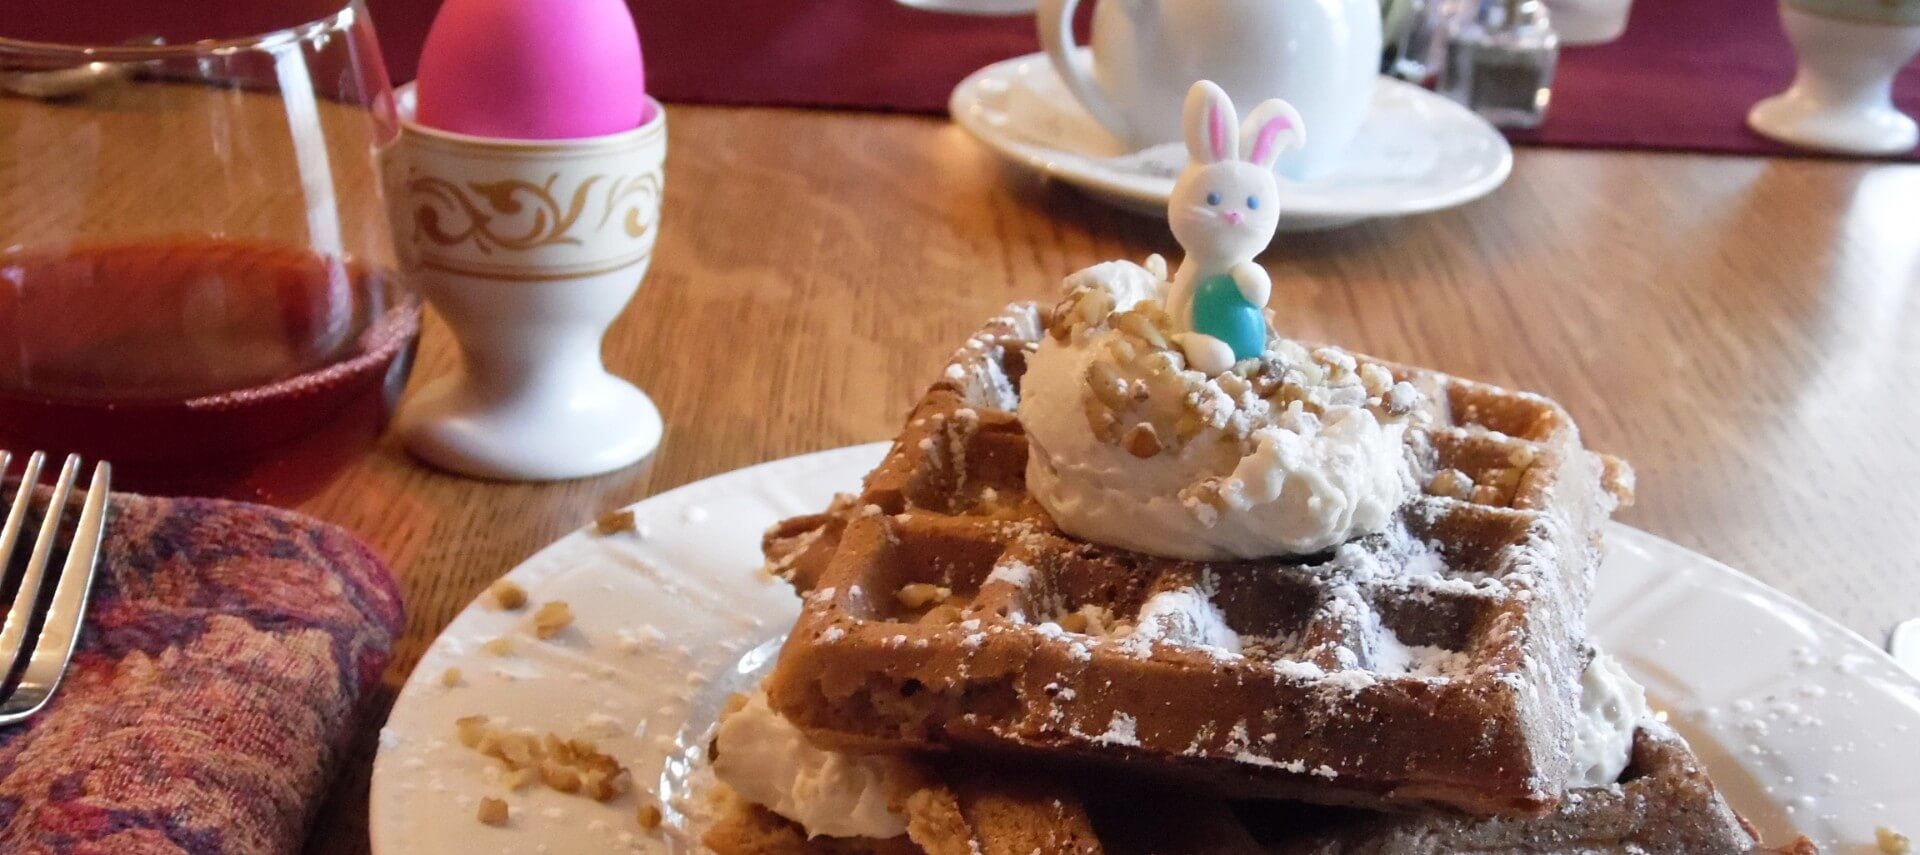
1013, 573
1184, 617
1393, 658
1122, 730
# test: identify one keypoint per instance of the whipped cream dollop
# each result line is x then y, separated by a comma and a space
769, 762
1612, 706
1294, 453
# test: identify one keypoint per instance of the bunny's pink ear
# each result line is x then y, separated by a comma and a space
1273, 129
1212, 126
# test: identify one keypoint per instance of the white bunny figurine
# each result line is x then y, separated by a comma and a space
1224, 211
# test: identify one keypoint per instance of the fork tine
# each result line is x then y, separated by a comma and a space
62, 629
28, 597
17, 516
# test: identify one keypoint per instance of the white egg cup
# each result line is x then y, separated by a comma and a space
528, 249
1841, 99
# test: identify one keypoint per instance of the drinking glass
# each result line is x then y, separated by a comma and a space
197, 281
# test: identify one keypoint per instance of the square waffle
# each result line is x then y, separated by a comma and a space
1664, 803
1434, 664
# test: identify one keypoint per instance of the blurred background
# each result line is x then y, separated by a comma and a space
1681, 78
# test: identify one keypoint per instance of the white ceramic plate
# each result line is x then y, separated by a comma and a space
1416, 151
1805, 725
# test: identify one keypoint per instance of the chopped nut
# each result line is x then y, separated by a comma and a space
1095, 306
450, 677
919, 594
1099, 419
559, 750
489, 743
493, 812
615, 522
1073, 622
1107, 384
519, 750
604, 786
564, 765
558, 777
1137, 324
1141, 441
1892, 842
649, 816
1155, 313
471, 729
1521, 457
1400, 399
499, 647
517, 779
507, 595
593, 785
551, 618
1375, 379
1234, 385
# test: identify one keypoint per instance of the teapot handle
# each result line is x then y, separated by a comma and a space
1075, 67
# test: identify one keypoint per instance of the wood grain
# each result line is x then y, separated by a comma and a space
1742, 330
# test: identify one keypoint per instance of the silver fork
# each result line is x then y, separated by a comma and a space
59, 624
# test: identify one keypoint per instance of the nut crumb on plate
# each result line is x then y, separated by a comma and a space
507, 595
517, 779
559, 778
450, 677
499, 647
1892, 842
615, 522
649, 816
493, 812
570, 766
471, 729
551, 618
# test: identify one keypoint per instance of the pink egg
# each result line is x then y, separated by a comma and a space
532, 69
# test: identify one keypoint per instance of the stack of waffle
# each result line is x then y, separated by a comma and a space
1413, 690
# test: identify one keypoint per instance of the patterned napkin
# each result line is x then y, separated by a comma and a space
215, 689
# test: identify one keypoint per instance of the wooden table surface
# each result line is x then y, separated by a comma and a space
1745, 331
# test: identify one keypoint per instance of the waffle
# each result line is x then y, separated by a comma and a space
1435, 664
1664, 803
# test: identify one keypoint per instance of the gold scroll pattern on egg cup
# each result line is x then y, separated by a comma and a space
531, 211
514, 215
521, 216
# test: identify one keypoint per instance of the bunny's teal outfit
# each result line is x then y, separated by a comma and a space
1220, 311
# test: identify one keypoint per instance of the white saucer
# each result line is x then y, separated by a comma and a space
1416, 151
1804, 725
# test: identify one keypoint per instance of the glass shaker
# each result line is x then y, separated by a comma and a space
1500, 61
